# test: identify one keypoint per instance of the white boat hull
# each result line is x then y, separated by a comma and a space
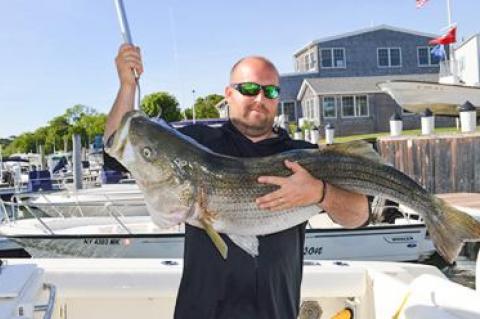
147, 288
441, 99
102, 238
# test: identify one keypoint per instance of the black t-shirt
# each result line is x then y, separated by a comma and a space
241, 287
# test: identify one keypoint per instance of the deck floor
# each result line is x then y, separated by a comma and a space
468, 200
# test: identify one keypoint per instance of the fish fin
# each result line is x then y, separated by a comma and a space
216, 239
358, 148
450, 233
247, 243
206, 218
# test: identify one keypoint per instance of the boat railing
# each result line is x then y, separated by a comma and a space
449, 68
17, 203
116, 215
49, 306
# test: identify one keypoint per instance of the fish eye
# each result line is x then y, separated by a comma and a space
147, 152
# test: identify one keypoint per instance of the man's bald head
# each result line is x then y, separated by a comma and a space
252, 60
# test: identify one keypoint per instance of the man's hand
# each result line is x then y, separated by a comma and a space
127, 60
299, 189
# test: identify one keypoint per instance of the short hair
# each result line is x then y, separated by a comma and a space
266, 61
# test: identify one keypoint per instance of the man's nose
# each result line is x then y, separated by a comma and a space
260, 97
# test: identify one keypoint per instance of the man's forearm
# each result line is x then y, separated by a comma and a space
345, 208
124, 103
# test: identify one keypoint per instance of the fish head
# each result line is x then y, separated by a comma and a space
145, 148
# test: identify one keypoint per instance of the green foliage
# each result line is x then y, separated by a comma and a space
161, 104
188, 114
205, 107
78, 119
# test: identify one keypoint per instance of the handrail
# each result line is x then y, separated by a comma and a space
109, 207
4, 209
47, 308
39, 220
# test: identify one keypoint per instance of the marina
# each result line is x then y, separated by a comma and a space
345, 186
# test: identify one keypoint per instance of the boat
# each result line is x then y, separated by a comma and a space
458, 83
147, 288
441, 98
138, 237
126, 197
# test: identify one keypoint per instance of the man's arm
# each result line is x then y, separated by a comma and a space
128, 58
345, 208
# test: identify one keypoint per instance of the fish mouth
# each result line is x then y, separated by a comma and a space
120, 138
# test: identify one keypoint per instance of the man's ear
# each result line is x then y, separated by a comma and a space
228, 92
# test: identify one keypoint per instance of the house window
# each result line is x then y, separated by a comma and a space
332, 58
361, 105
288, 109
348, 109
306, 62
329, 108
312, 61
355, 106
389, 57
425, 57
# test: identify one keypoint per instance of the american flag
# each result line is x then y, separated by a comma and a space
420, 3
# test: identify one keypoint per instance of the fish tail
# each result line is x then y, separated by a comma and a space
454, 228
216, 238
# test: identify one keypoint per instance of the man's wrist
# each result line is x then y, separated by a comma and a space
324, 192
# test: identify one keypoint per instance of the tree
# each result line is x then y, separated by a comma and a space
205, 107
24, 143
161, 104
76, 112
58, 129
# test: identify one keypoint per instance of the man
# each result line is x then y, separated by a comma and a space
267, 286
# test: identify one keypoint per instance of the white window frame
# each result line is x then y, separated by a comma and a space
312, 61
282, 106
334, 106
332, 58
430, 64
306, 61
355, 108
389, 58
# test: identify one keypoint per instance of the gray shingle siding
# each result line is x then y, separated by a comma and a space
360, 76
361, 54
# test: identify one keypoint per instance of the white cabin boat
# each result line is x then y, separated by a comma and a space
139, 237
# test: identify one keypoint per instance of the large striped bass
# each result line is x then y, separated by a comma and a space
184, 181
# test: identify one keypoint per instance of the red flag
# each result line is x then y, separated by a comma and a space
420, 3
447, 38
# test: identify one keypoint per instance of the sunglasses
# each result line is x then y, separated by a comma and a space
252, 89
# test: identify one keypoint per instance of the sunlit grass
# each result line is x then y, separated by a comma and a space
417, 132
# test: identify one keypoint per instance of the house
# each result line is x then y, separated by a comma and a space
335, 78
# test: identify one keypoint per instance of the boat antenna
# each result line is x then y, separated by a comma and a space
127, 38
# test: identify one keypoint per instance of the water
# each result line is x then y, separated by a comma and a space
463, 272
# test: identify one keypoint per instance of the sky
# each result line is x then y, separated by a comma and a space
58, 53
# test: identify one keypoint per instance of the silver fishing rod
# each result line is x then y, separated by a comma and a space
127, 38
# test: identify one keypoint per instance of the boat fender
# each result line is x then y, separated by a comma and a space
346, 313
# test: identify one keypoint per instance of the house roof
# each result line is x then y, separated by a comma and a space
354, 85
291, 83
361, 31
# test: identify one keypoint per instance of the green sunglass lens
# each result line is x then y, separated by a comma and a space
271, 92
250, 88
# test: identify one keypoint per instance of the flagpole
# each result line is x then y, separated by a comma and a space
450, 46
449, 12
